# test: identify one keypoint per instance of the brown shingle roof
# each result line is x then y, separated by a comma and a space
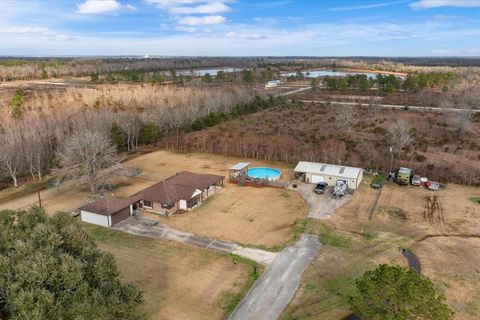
178, 187
108, 205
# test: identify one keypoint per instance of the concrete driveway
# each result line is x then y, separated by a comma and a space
142, 226
275, 288
321, 206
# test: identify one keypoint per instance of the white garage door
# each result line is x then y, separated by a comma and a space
317, 178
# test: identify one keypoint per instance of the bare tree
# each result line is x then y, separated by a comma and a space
400, 135
11, 155
88, 157
37, 150
347, 117
374, 109
470, 101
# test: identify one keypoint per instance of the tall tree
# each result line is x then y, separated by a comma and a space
394, 293
88, 157
51, 269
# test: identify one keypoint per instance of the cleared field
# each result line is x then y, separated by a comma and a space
178, 281
442, 229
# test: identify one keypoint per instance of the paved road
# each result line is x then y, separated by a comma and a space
139, 225
389, 106
276, 287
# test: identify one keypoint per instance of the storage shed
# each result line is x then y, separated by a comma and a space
107, 212
314, 172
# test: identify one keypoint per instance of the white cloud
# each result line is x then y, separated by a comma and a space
368, 6
185, 12
245, 36
427, 4
207, 8
186, 29
441, 52
98, 6
201, 21
27, 30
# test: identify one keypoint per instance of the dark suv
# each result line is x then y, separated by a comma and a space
320, 187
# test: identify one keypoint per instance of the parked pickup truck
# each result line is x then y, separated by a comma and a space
320, 187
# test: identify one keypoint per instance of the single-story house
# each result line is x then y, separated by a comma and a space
313, 172
107, 211
183, 191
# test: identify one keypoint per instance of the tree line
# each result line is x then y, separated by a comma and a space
82, 141
413, 82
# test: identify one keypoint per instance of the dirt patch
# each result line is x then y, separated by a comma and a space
178, 281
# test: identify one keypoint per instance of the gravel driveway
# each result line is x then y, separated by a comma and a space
321, 206
275, 288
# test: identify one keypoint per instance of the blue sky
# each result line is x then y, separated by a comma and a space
240, 27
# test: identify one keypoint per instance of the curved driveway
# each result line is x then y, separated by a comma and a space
275, 288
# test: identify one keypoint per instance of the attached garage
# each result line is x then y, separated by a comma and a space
106, 212
314, 172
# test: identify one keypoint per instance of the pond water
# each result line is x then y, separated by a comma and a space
330, 73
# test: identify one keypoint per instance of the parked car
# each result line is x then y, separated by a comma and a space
320, 187
376, 185
416, 180
432, 185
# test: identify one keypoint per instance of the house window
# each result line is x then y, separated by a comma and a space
147, 204
167, 206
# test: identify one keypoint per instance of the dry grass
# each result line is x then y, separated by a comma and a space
388, 219
178, 281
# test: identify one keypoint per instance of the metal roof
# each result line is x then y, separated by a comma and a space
239, 166
328, 169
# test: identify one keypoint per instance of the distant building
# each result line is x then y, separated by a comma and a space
146, 56
272, 84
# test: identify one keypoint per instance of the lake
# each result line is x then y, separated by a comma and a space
330, 73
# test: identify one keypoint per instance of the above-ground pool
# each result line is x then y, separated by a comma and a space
264, 173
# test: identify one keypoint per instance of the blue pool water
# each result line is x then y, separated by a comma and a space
264, 173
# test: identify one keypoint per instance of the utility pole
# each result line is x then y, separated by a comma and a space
391, 159
39, 198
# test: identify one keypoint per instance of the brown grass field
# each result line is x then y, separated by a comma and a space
372, 227
177, 281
